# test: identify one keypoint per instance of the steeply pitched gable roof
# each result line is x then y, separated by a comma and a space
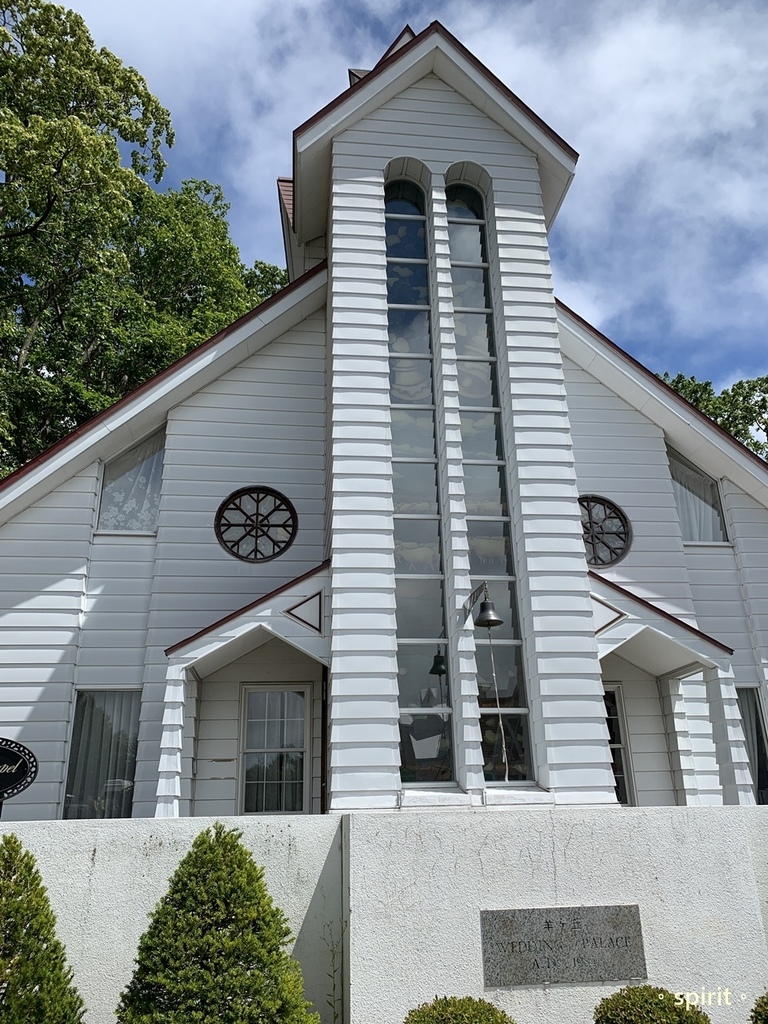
433, 51
145, 409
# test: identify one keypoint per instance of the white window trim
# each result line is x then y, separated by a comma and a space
306, 688
629, 770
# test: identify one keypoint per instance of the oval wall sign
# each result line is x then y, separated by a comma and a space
18, 768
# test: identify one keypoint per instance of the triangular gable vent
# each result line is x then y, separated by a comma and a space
309, 612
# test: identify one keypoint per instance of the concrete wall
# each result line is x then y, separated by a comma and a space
413, 886
104, 877
418, 883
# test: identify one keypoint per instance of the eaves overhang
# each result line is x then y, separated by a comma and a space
145, 410
652, 638
433, 51
688, 430
273, 616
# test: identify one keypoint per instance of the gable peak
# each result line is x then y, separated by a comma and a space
404, 37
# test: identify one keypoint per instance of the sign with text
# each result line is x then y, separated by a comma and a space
562, 944
18, 768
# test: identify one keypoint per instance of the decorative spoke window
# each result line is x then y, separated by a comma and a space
698, 501
424, 692
503, 709
275, 750
617, 731
606, 529
256, 524
102, 760
130, 492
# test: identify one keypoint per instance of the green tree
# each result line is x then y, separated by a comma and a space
35, 980
741, 409
214, 951
103, 280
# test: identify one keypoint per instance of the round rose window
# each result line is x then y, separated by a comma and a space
256, 524
607, 533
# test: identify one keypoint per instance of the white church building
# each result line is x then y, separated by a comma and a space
257, 586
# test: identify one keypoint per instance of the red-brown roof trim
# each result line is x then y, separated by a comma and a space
248, 607
83, 429
387, 61
658, 381
660, 611
407, 31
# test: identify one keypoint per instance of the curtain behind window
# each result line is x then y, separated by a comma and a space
130, 495
103, 755
698, 501
757, 745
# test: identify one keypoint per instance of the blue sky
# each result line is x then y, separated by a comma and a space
662, 241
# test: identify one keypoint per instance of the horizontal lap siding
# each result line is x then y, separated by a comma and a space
45, 552
621, 455
216, 786
646, 735
261, 424
718, 596
748, 525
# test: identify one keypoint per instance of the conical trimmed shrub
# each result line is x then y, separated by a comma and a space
35, 979
214, 951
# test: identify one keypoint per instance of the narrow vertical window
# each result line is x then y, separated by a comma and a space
757, 742
617, 732
274, 750
424, 695
698, 501
130, 493
503, 708
102, 761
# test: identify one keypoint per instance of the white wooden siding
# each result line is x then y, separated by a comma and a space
45, 552
260, 424
621, 455
219, 728
748, 525
646, 736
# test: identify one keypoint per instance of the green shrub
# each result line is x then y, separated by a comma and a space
457, 1010
214, 951
759, 1014
644, 1004
35, 979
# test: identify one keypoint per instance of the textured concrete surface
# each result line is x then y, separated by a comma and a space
409, 887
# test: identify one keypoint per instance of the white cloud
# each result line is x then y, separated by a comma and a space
662, 238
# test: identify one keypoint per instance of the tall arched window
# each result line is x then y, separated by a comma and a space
424, 693
503, 708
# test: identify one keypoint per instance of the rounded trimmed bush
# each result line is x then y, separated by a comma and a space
457, 1010
646, 1004
759, 1014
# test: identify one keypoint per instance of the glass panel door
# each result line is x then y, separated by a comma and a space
274, 750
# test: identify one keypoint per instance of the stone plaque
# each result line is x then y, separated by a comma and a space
561, 944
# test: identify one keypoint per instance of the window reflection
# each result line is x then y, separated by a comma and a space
419, 686
425, 748
413, 434
409, 331
489, 548
512, 729
417, 547
414, 488
419, 608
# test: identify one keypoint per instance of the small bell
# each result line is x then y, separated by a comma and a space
438, 665
487, 617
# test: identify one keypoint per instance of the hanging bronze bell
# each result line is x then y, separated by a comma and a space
438, 665
487, 617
